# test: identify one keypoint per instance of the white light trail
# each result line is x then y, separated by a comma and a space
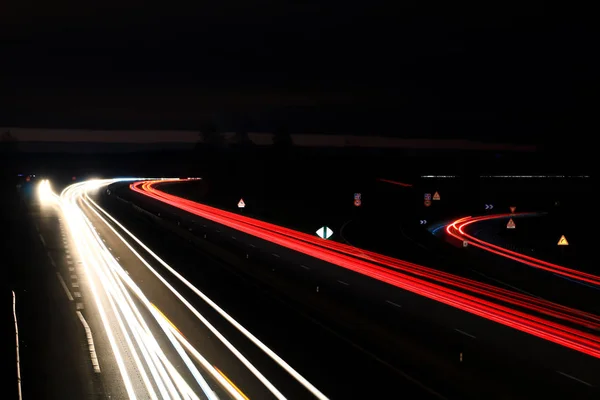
133, 343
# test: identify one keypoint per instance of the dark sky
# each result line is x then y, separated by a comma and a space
522, 73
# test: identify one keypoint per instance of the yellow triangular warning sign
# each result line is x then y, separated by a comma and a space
512, 209
436, 196
511, 224
563, 241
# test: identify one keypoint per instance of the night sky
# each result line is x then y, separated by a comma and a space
521, 74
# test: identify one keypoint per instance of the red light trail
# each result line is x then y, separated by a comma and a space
394, 182
525, 313
457, 230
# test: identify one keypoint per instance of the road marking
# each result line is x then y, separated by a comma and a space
90, 340
64, 285
275, 255
465, 333
575, 379
17, 342
68, 256
77, 294
251, 245
74, 277
218, 231
109, 249
71, 269
233, 237
304, 266
343, 283
75, 284
42, 239
231, 383
51, 260
67, 251
394, 304
79, 306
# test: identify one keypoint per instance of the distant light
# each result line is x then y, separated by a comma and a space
19, 174
73, 178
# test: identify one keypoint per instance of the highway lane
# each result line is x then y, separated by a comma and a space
55, 361
197, 334
338, 368
523, 271
464, 294
185, 327
452, 317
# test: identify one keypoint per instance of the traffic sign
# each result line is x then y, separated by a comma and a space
427, 196
357, 202
436, 196
241, 203
489, 206
512, 209
427, 203
423, 221
324, 232
563, 241
357, 196
511, 224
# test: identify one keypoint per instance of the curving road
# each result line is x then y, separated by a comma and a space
146, 334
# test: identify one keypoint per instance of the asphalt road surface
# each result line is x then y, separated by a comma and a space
509, 360
55, 361
348, 335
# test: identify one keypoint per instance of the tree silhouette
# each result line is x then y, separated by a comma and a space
8, 143
282, 138
209, 135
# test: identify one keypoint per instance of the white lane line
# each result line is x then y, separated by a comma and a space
75, 284
90, 340
64, 285
252, 246
465, 333
394, 304
77, 294
275, 255
304, 266
575, 379
109, 249
42, 239
68, 256
69, 262
51, 260
343, 283
233, 237
17, 342
74, 277
79, 306
71, 269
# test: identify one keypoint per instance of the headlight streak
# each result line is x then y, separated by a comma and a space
103, 272
73, 219
303, 381
222, 338
354, 259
